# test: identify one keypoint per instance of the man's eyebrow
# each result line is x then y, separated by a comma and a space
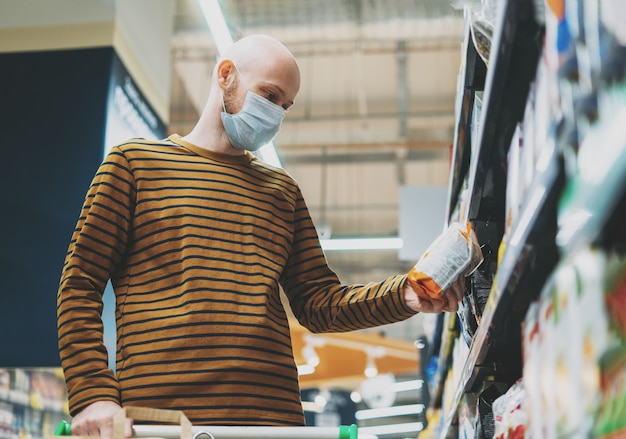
280, 90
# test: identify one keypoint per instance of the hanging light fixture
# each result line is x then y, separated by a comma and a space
370, 369
310, 355
373, 352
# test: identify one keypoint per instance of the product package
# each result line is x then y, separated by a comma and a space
475, 298
531, 350
485, 424
481, 285
610, 421
456, 252
509, 413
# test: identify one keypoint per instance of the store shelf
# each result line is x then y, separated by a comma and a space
471, 80
449, 334
522, 253
32, 402
513, 63
512, 66
550, 166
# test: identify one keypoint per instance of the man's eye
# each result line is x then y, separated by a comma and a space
271, 96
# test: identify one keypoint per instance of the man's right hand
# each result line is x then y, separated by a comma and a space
97, 420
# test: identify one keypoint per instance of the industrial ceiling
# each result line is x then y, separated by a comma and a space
375, 110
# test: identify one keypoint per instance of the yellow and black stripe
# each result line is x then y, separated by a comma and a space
197, 245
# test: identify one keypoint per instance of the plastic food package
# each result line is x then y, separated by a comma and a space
509, 413
456, 252
483, 16
481, 283
467, 319
482, 34
485, 424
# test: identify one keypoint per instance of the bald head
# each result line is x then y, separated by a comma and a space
255, 50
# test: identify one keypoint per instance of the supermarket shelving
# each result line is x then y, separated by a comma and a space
512, 65
561, 210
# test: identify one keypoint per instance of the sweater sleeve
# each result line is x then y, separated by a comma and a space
96, 247
318, 299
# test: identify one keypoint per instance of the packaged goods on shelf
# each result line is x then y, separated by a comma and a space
527, 148
616, 295
431, 430
510, 414
481, 38
32, 402
563, 379
531, 370
548, 353
459, 356
467, 417
475, 125
447, 398
544, 113
481, 283
460, 207
482, 17
513, 183
590, 329
7, 420
612, 13
479, 287
610, 421
453, 377
467, 320
569, 410
561, 215
557, 32
485, 422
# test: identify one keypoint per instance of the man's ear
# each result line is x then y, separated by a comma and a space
225, 73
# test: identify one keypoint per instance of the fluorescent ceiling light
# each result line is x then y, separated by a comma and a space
217, 24
410, 409
381, 430
306, 369
362, 244
269, 155
309, 406
223, 40
404, 386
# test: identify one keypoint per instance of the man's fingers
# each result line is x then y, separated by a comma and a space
128, 428
106, 431
106, 428
451, 304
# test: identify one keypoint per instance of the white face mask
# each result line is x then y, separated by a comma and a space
255, 125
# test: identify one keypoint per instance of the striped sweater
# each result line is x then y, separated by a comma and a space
196, 245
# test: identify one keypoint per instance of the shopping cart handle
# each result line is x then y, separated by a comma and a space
348, 432
345, 431
63, 429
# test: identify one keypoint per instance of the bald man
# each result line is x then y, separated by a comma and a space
197, 236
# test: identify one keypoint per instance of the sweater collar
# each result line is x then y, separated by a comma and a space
243, 159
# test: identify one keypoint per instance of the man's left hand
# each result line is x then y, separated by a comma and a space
448, 300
